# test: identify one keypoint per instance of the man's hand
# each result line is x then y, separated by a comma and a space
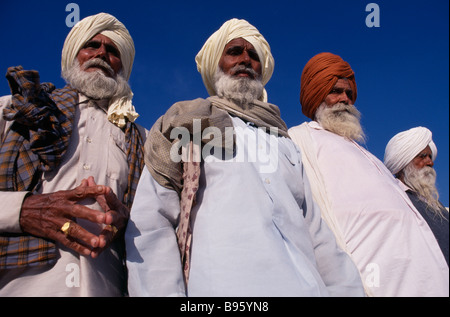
43, 216
116, 218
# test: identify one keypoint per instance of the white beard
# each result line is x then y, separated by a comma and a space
423, 182
96, 84
241, 91
341, 119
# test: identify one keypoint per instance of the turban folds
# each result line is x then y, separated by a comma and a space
405, 146
319, 77
208, 58
112, 28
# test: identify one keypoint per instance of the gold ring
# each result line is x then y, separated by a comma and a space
114, 229
65, 228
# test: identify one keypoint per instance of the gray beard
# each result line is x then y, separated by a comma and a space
96, 84
241, 91
341, 119
423, 182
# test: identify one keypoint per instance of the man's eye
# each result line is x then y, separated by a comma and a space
113, 51
253, 55
424, 156
92, 45
235, 51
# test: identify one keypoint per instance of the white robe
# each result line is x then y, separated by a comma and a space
385, 235
256, 231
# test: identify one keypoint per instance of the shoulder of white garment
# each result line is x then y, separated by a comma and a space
5, 100
315, 125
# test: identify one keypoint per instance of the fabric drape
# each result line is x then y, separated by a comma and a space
211, 112
183, 176
36, 142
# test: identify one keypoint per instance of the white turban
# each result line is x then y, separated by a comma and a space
109, 26
208, 58
405, 146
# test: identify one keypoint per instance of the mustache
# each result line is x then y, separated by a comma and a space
341, 107
99, 62
244, 69
428, 171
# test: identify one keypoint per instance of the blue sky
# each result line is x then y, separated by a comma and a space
401, 67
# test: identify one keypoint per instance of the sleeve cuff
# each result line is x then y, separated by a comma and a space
10, 211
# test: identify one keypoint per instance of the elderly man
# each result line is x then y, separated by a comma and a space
61, 234
234, 216
372, 218
410, 156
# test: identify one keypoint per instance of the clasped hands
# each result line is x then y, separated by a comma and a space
43, 215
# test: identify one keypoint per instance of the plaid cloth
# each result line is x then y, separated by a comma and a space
40, 132
36, 142
20, 251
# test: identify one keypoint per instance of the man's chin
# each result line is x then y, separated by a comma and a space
243, 75
99, 70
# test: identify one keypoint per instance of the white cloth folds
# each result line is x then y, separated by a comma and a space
371, 216
302, 137
122, 108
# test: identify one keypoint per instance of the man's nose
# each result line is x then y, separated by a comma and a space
343, 98
428, 161
245, 58
101, 52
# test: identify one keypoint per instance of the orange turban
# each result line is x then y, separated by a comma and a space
318, 78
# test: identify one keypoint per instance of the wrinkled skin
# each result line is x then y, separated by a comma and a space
43, 215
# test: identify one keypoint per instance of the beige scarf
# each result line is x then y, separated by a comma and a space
212, 112
183, 176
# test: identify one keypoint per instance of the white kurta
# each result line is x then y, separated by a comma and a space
96, 148
386, 236
256, 231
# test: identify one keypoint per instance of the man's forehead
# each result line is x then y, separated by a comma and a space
342, 83
102, 38
239, 42
427, 149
